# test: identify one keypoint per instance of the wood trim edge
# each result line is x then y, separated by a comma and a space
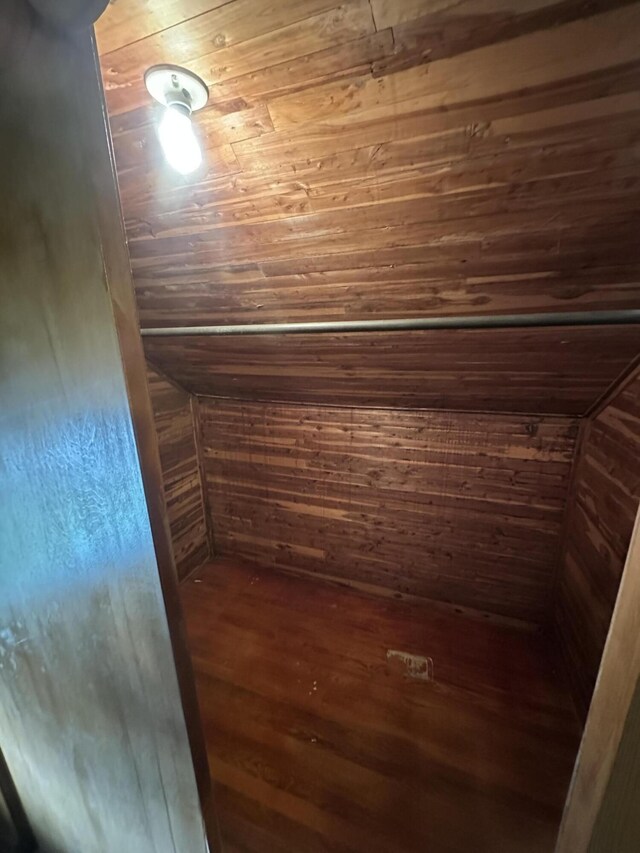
119, 286
167, 378
618, 679
325, 405
619, 383
583, 429
197, 436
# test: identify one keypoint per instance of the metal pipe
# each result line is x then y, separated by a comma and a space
475, 321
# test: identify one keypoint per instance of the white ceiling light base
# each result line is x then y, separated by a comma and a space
170, 84
181, 92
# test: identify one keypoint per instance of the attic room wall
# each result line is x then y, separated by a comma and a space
602, 511
455, 507
176, 430
387, 159
534, 371
384, 159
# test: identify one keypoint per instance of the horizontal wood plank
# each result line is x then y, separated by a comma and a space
548, 371
133, 20
348, 146
318, 742
488, 72
216, 29
390, 13
459, 508
241, 295
180, 473
599, 525
385, 160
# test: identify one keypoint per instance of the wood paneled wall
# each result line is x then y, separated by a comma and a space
459, 508
392, 158
382, 159
601, 811
183, 488
546, 371
602, 511
96, 699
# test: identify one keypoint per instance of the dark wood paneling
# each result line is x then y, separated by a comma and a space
319, 743
92, 716
459, 508
599, 526
388, 159
406, 290
553, 371
601, 812
180, 472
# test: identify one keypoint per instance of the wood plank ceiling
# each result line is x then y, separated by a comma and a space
381, 159
548, 371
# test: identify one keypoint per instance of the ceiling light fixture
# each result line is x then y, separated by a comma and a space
182, 93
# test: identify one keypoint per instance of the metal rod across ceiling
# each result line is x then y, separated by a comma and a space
475, 321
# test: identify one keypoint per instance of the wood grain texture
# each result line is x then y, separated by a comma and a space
550, 371
118, 275
382, 160
318, 742
180, 472
94, 718
599, 525
464, 509
601, 813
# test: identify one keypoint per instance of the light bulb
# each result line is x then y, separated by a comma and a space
179, 143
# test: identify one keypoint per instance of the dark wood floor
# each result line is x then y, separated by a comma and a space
319, 742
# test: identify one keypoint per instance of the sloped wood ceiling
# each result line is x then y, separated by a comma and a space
382, 159
548, 371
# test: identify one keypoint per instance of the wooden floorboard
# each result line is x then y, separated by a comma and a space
319, 742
